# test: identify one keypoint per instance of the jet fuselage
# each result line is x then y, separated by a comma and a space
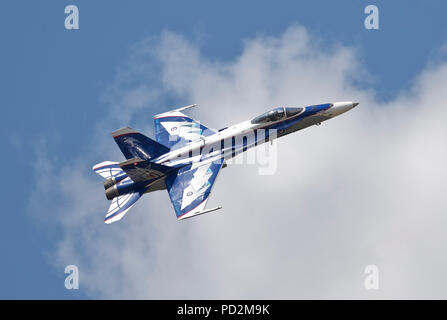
231, 141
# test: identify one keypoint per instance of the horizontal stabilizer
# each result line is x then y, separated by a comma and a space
108, 169
120, 205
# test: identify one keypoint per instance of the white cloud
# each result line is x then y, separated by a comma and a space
364, 188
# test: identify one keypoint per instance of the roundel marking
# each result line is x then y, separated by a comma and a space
189, 193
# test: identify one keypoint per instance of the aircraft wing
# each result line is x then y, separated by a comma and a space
190, 188
175, 129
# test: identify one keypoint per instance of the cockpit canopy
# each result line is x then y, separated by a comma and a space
276, 114
292, 111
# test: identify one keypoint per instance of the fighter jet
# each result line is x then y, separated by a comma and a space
187, 157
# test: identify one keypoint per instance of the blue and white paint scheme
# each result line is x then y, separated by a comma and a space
186, 157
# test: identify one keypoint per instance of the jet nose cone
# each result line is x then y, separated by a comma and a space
341, 107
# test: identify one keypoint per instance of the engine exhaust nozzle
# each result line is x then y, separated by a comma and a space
109, 183
112, 192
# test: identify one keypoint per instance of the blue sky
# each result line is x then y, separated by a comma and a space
52, 81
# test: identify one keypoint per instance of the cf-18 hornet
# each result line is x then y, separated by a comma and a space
187, 157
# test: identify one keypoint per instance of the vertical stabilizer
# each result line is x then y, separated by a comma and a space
136, 145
